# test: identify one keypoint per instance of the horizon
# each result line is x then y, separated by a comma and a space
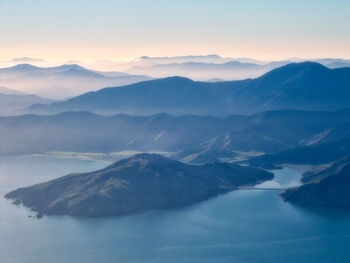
124, 65
119, 31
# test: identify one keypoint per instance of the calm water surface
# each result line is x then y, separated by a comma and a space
242, 226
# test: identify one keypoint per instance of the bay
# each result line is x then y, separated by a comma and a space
241, 226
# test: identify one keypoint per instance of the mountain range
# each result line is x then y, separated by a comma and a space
267, 132
301, 86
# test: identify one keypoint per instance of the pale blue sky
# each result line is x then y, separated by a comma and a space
106, 29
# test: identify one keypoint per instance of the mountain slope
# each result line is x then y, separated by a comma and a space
311, 154
305, 86
327, 185
172, 95
136, 184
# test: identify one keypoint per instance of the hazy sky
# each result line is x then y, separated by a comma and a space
118, 29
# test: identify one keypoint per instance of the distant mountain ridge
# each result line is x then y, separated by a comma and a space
209, 67
204, 68
230, 70
300, 86
62, 81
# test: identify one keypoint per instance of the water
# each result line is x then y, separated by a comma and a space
241, 226
289, 176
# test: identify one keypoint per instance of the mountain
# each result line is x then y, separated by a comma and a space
327, 185
174, 95
302, 86
307, 86
269, 132
61, 81
136, 184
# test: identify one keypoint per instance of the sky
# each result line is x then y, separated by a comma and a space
122, 30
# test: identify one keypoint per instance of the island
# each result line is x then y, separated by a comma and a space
136, 184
